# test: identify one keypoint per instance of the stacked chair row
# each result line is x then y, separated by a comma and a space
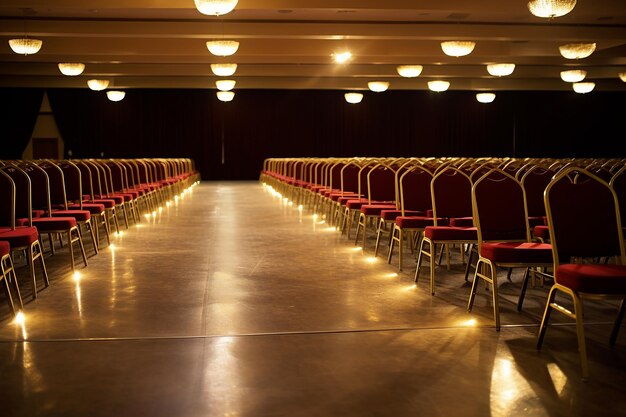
64, 200
558, 219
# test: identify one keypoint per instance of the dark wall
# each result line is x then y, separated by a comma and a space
282, 123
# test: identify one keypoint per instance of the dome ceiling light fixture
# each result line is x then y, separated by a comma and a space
71, 69
485, 97
225, 96
583, 88
551, 8
215, 7
409, 71
97, 85
378, 86
222, 47
577, 50
438, 86
500, 70
622, 76
25, 46
573, 76
353, 98
223, 70
458, 48
225, 85
116, 95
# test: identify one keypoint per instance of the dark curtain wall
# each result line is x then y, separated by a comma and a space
18, 118
288, 123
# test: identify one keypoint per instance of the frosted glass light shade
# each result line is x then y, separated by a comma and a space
25, 46
622, 76
378, 86
485, 97
222, 47
225, 95
438, 85
573, 76
409, 71
116, 95
97, 85
223, 70
500, 70
71, 68
215, 7
577, 50
458, 48
353, 98
584, 88
551, 8
225, 85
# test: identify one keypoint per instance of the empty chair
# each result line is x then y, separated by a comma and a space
500, 214
576, 194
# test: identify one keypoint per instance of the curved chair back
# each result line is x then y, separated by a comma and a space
350, 178
535, 180
22, 208
415, 189
7, 206
583, 217
451, 193
618, 184
499, 208
381, 184
39, 186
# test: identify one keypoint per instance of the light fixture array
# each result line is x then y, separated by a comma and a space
584, 88
438, 86
409, 71
500, 70
97, 85
577, 50
225, 96
222, 47
458, 48
223, 70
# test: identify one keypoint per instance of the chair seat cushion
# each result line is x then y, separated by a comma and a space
124, 196
337, 196
541, 232
107, 203
413, 222
20, 237
593, 278
93, 208
517, 252
375, 209
79, 215
462, 222
38, 213
53, 224
5, 248
390, 215
346, 199
462, 234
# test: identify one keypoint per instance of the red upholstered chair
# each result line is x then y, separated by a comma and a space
57, 187
8, 275
17, 201
576, 243
123, 201
352, 205
415, 203
381, 195
120, 186
451, 191
50, 224
96, 192
349, 188
500, 214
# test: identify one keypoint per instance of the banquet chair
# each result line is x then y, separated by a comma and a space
501, 216
575, 193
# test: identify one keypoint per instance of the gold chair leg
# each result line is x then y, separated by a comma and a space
618, 323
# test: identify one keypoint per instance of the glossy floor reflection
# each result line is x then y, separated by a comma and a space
235, 303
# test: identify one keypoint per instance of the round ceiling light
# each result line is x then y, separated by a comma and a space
378, 86
225, 85
577, 50
115, 95
225, 95
409, 71
223, 70
25, 46
458, 48
215, 7
573, 76
97, 85
438, 86
500, 70
71, 68
584, 88
622, 76
551, 8
485, 97
222, 47
353, 98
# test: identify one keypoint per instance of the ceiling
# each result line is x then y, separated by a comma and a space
289, 44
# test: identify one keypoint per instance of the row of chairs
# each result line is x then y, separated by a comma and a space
505, 212
64, 199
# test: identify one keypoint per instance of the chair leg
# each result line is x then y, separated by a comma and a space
546, 317
379, 232
5, 278
433, 247
10, 274
419, 260
580, 333
71, 247
495, 295
94, 239
400, 248
520, 301
469, 261
391, 243
618, 323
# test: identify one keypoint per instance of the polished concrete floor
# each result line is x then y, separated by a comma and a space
233, 303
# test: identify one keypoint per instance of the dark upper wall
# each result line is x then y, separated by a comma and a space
280, 123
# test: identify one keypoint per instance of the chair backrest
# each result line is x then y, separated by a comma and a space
7, 205
39, 186
350, 178
381, 184
535, 180
73, 182
56, 184
618, 184
415, 189
86, 179
499, 208
22, 208
451, 193
583, 217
